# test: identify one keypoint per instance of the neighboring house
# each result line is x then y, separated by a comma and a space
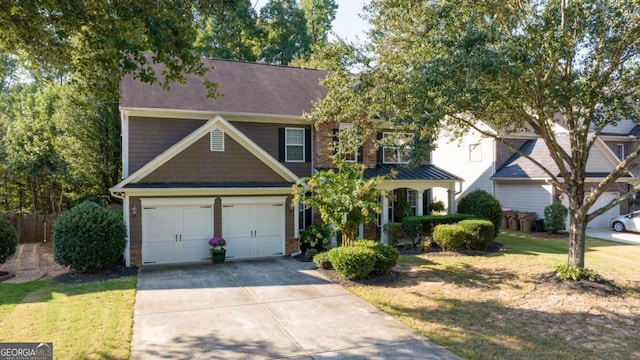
521, 185
195, 167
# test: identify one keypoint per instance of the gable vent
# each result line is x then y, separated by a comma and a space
217, 140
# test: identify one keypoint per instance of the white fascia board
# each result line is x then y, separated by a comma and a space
253, 200
142, 192
419, 185
206, 115
607, 152
199, 201
216, 123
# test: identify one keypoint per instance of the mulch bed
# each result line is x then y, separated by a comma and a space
77, 277
600, 288
380, 280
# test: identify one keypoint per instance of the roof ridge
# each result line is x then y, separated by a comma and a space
261, 63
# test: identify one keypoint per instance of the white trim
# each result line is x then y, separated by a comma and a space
608, 153
204, 201
216, 140
277, 200
205, 115
216, 123
140, 192
124, 124
624, 155
286, 149
126, 216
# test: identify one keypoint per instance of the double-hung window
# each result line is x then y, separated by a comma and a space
397, 149
294, 145
620, 151
348, 143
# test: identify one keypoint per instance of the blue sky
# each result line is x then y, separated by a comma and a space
348, 23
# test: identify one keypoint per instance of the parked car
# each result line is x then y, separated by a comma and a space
628, 222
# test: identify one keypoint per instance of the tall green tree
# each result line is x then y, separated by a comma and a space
228, 32
319, 14
285, 35
514, 65
342, 197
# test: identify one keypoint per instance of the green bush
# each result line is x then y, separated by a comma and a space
394, 232
555, 216
89, 237
449, 237
310, 253
418, 226
480, 233
481, 204
322, 260
353, 262
315, 235
437, 206
386, 255
8, 240
567, 272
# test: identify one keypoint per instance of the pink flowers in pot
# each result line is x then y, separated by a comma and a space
217, 241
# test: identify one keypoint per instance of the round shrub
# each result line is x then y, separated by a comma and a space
484, 206
480, 233
353, 262
449, 237
386, 255
88, 238
322, 260
315, 235
8, 240
555, 216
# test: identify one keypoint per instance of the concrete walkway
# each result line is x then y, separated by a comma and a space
32, 261
609, 234
263, 309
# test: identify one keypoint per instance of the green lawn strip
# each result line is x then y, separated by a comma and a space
12, 294
491, 307
84, 321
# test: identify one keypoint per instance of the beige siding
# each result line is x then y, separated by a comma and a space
529, 196
597, 162
198, 164
149, 137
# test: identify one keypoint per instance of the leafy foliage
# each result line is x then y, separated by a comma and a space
316, 235
342, 197
480, 233
417, 226
568, 272
437, 206
555, 216
394, 232
483, 205
88, 238
284, 27
8, 240
353, 262
386, 255
322, 260
449, 237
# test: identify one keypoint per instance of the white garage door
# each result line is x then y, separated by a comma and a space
176, 230
253, 227
603, 220
524, 196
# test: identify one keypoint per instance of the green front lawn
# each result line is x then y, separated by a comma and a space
84, 321
493, 307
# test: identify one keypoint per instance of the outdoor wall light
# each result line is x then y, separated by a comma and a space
134, 210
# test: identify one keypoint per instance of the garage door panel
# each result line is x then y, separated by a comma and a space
197, 227
237, 232
269, 222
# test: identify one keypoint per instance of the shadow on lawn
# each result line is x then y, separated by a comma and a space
488, 329
461, 274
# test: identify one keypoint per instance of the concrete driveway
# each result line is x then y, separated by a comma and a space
609, 234
263, 309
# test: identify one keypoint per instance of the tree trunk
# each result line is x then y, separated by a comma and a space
348, 238
577, 234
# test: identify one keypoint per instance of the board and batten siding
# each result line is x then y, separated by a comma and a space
530, 197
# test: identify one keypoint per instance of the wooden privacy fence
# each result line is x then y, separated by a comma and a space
38, 228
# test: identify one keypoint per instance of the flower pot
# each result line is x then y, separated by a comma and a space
218, 255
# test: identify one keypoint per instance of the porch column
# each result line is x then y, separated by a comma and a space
296, 220
420, 203
452, 200
384, 219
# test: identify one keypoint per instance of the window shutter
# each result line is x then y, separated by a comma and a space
281, 145
380, 154
336, 140
216, 138
360, 154
307, 145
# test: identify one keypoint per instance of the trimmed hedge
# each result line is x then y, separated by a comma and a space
555, 216
483, 205
423, 225
353, 262
322, 260
394, 232
89, 237
386, 256
449, 237
480, 233
8, 240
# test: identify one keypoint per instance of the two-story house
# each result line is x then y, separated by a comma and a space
519, 184
194, 167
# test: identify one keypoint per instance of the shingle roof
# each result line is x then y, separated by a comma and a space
422, 172
245, 87
207, 185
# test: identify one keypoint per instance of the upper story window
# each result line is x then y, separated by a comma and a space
348, 147
216, 140
620, 151
400, 151
294, 145
475, 152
